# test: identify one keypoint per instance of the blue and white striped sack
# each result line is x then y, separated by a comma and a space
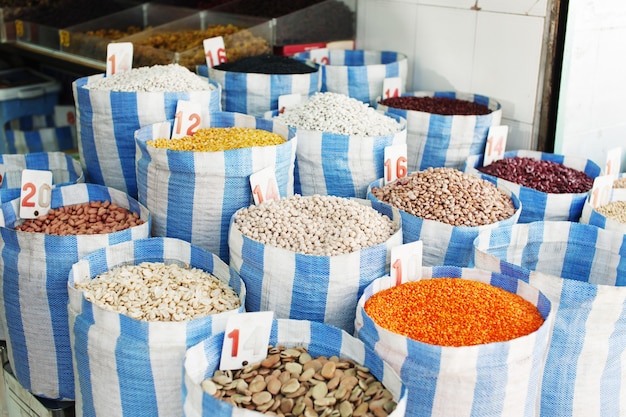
34, 296
255, 94
106, 122
582, 270
435, 140
443, 244
129, 367
537, 205
39, 133
595, 218
192, 195
299, 286
65, 170
341, 165
360, 73
202, 360
488, 380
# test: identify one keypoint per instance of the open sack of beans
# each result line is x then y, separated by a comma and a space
443, 127
445, 209
464, 341
39, 133
65, 170
311, 369
341, 144
135, 308
309, 258
612, 214
36, 257
252, 85
550, 186
110, 109
194, 184
359, 73
582, 270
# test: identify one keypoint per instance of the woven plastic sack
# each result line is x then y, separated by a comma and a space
65, 170
443, 244
582, 269
360, 73
203, 359
192, 195
106, 122
298, 286
591, 216
341, 165
129, 367
435, 140
487, 380
34, 296
537, 205
39, 133
255, 94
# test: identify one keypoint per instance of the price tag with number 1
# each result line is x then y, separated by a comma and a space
245, 339
406, 262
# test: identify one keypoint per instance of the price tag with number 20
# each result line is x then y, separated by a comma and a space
245, 339
36, 193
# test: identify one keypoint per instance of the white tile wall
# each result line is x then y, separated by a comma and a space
591, 115
489, 47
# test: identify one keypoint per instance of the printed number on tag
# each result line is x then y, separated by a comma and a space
187, 118
613, 162
319, 56
264, 186
601, 190
245, 339
406, 262
36, 193
496, 144
392, 87
215, 51
119, 57
395, 165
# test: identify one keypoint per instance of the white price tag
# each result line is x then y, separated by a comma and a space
214, 51
346, 44
496, 143
64, 115
119, 57
161, 130
245, 339
601, 191
392, 87
319, 56
36, 193
264, 185
395, 165
406, 262
613, 162
187, 118
288, 101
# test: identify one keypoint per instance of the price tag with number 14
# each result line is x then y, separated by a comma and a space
245, 339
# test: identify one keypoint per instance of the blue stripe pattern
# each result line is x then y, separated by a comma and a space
80, 329
310, 288
252, 252
87, 138
124, 113
337, 174
437, 143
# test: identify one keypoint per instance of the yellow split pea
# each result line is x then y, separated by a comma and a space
215, 139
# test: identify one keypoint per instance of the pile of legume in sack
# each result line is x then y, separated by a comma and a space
214, 139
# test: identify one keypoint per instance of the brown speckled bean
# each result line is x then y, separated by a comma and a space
95, 217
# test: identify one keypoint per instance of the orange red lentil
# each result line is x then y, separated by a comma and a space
453, 312
214, 139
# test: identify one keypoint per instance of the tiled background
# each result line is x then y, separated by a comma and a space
496, 47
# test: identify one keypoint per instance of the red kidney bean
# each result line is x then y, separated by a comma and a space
437, 105
545, 176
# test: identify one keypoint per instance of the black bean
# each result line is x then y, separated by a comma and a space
267, 64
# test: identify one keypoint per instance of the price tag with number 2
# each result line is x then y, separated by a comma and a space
36, 193
245, 339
